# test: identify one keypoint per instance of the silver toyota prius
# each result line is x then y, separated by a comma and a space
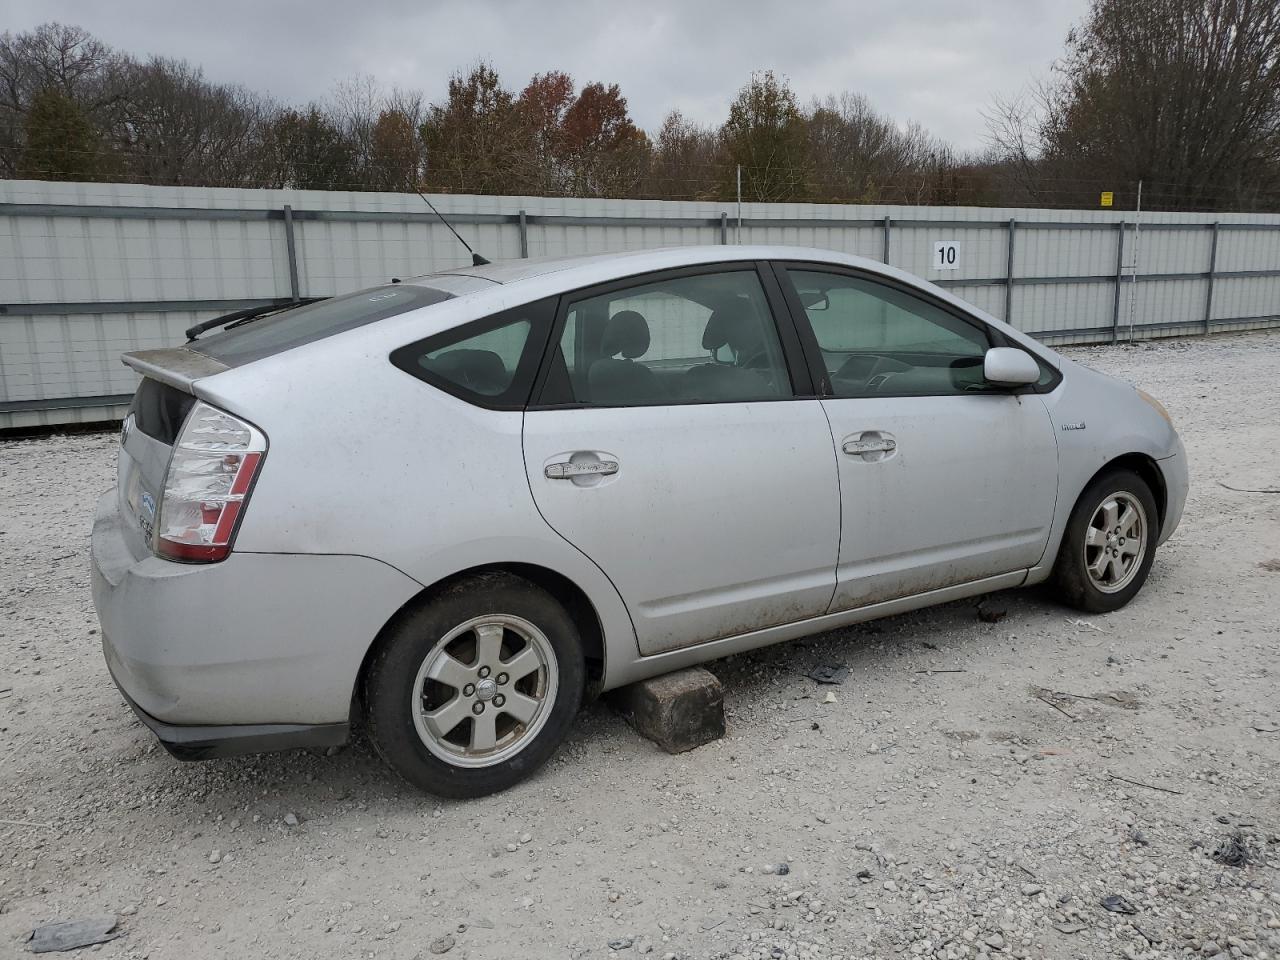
450, 508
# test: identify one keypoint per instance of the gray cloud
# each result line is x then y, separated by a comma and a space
938, 62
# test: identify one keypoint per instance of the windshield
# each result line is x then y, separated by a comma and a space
292, 328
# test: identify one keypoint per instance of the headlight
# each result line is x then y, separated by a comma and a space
1159, 407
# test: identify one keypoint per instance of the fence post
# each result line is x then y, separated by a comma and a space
1008, 279
1213, 267
724, 228
524, 236
888, 225
292, 249
1115, 310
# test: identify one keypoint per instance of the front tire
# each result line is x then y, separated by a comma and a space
1109, 544
474, 689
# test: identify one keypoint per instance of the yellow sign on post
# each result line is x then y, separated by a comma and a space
1108, 198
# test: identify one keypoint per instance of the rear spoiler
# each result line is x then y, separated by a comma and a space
176, 366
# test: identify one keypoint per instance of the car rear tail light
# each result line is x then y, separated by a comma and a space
210, 477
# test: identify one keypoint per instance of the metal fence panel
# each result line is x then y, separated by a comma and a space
89, 271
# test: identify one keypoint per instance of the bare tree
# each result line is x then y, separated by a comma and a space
685, 163
1182, 94
173, 126
55, 57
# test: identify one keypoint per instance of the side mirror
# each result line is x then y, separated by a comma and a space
1010, 367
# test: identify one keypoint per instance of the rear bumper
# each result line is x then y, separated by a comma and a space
208, 742
267, 643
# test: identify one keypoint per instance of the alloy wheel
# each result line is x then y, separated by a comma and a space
1116, 542
485, 690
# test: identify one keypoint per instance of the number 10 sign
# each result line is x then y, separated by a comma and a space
946, 255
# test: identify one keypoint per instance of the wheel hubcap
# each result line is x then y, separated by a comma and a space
1116, 542
485, 690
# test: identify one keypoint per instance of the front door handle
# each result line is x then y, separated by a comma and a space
856, 448
585, 468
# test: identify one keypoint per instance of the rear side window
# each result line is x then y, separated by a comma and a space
293, 328
489, 362
705, 338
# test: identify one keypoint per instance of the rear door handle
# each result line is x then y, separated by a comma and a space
585, 468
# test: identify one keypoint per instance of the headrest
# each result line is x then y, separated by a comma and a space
480, 370
626, 333
732, 327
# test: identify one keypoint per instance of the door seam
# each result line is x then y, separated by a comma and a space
835, 458
528, 479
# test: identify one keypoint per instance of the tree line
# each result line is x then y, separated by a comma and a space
1183, 95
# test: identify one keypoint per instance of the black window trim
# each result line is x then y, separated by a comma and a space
813, 355
539, 314
794, 359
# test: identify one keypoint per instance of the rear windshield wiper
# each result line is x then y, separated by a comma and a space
243, 316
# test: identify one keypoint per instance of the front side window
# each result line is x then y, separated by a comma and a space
877, 340
490, 362
705, 338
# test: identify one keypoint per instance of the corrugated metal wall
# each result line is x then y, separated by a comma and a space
89, 271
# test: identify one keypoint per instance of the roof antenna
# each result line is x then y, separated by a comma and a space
476, 259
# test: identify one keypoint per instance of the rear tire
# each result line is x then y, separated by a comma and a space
473, 691
1109, 544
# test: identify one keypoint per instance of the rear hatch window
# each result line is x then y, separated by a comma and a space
293, 328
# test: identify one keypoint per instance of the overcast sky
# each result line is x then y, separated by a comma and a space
935, 61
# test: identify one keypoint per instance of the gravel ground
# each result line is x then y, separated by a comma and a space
967, 794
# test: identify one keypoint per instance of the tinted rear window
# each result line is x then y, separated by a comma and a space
284, 331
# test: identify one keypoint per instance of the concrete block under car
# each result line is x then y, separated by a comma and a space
678, 711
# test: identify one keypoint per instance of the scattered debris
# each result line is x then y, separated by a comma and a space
290, 819
25, 823
443, 944
1123, 699
72, 934
1073, 696
942, 671
992, 614
778, 869
1068, 928
1233, 851
1248, 489
1137, 836
830, 698
833, 673
1150, 937
1271, 566
621, 943
1044, 699
1149, 786
1084, 623
1116, 903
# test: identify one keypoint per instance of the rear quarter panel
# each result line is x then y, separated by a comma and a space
365, 459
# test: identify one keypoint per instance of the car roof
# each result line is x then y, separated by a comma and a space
628, 262
551, 276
